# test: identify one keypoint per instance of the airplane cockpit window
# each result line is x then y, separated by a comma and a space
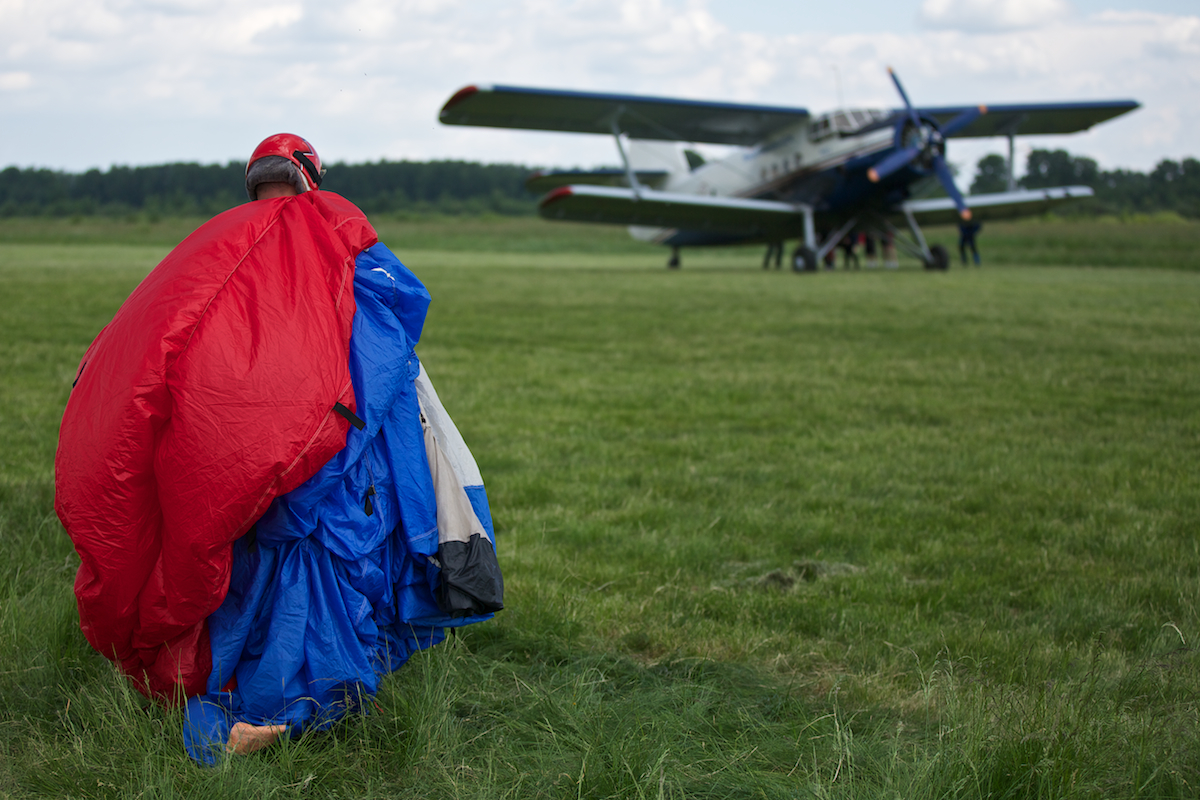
820, 128
845, 122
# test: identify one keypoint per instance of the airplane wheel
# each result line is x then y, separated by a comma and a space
673, 263
940, 258
804, 260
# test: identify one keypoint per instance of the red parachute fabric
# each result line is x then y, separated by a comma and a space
211, 392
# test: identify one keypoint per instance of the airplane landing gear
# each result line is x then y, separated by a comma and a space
673, 263
939, 259
804, 259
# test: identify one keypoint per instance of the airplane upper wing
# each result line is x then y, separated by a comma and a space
661, 118
1001, 205
726, 215
1031, 118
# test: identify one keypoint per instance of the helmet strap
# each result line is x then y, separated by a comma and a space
309, 167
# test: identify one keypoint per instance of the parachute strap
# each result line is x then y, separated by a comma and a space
350, 416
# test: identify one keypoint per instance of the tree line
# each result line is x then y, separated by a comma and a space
458, 187
454, 187
1170, 186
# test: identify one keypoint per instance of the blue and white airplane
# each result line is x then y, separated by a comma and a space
792, 175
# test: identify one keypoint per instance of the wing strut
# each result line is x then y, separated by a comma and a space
1012, 149
616, 132
810, 230
1010, 131
926, 256
833, 240
915, 245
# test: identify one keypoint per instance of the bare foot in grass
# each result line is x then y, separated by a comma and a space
246, 738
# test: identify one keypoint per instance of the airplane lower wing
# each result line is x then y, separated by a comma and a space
740, 217
1001, 205
724, 215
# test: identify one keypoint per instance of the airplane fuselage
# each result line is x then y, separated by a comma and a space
822, 163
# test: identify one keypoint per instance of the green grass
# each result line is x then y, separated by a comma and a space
873, 534
1163, 240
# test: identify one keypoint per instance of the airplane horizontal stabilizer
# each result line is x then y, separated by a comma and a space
1000, 205
726, 215
542, 182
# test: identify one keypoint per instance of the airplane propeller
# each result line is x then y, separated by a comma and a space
926, 142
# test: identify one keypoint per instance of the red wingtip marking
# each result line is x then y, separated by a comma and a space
460, 95
556, 195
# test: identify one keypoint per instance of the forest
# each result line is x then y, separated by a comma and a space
462, 187
451, 187
1170, 186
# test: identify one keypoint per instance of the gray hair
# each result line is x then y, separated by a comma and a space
273, 169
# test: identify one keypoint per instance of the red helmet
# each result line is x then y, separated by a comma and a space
294, 149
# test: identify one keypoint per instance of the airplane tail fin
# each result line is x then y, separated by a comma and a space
645, 155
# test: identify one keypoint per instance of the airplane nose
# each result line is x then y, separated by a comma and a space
931, 149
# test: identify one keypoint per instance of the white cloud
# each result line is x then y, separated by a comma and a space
245, 25
162, 80
1176, 39
15, 81
992, 15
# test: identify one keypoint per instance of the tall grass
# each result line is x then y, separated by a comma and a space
876, 534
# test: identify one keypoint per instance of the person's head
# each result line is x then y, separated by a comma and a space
280, 161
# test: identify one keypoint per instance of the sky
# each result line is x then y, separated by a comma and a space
130, 82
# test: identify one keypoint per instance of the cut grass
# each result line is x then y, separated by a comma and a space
838, 535
1164, 241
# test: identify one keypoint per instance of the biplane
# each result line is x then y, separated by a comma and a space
790, 174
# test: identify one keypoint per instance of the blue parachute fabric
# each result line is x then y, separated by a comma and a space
334, 587
479, 502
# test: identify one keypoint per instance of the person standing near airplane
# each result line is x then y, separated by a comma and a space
967, 230
849, 252
889, 251
774, 251
869, 249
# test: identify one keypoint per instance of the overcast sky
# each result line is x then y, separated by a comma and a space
93, 83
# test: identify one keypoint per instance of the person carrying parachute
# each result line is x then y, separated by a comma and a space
271, 506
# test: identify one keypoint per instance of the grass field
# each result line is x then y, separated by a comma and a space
876, 534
